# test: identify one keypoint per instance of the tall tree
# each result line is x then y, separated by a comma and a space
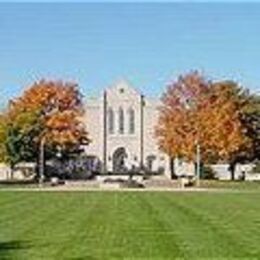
51, 110
253, 123
249, 115
195, 110
179, 126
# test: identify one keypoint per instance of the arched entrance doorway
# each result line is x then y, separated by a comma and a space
150, 161
119, 160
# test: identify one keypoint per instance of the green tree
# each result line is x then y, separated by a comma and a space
16, 139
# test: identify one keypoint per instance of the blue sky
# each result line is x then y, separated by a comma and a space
148, 44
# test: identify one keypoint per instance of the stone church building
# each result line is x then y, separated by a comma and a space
121, 125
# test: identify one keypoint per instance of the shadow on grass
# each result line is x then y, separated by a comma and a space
9, 249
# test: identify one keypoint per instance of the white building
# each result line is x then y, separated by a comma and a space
121, 125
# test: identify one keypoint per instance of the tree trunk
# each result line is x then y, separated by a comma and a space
172, 168
232, 168
37, 167
12, 172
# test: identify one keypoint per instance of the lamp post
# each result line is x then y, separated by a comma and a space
41, 161
198, 162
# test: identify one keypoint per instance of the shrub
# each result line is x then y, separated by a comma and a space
208, 173
73, 168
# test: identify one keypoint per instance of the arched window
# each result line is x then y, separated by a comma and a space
111, 120
121, 120
131, 114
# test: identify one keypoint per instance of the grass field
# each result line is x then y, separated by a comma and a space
129, 225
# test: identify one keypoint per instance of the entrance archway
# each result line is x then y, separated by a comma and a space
150, 161
119, 160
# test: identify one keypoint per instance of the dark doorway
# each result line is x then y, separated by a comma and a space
149, 162
119, 160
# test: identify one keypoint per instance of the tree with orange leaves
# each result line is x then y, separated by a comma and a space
178, 127
51, 110
59, 111
193, 111
240, 113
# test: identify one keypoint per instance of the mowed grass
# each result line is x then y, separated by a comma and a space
129, 225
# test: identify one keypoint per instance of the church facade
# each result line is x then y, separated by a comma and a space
121, 124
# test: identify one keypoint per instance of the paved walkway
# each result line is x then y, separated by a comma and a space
86, 189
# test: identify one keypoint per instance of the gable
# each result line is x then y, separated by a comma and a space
122, 90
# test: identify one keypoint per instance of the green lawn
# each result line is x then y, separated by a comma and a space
129, 225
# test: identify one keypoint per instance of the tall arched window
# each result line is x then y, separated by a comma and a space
131, 114
121, 120
111, 120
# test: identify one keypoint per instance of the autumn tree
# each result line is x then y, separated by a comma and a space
178, 127
249, 116
194, 110
252, 123
51, 110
